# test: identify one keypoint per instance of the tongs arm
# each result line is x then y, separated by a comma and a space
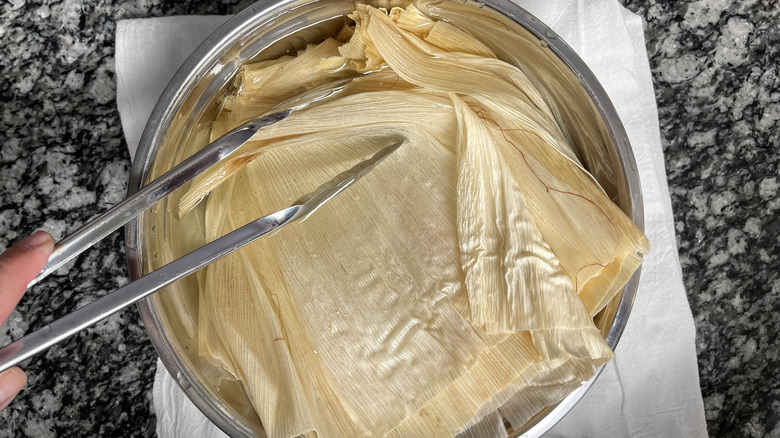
150, 194
83, 317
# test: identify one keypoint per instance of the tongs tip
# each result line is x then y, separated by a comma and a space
312, 201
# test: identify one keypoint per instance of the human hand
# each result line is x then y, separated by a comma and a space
19, 264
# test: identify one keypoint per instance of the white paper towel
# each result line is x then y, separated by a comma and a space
652, 386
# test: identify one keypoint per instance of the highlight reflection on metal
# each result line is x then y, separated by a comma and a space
85, 316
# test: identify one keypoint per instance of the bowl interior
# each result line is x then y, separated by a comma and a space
180, 125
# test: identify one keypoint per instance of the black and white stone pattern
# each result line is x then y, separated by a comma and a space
716, 72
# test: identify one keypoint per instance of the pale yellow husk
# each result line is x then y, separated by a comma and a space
454, 286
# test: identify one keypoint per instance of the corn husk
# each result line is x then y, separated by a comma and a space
449, 290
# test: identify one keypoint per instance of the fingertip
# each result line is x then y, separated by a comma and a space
38, 239
19, 264
11, 382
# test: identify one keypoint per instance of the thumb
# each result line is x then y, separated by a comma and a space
19, 265
11, 382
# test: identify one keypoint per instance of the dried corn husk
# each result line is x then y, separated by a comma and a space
451, 289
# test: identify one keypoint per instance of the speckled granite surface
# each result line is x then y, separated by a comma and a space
715, 68
62, 159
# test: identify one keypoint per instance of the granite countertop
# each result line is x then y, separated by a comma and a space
63, 159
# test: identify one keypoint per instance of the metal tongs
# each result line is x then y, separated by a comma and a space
70, 247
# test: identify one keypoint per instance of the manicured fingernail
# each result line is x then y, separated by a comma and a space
11, 382
38, 238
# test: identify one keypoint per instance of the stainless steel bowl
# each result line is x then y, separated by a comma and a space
180, 122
